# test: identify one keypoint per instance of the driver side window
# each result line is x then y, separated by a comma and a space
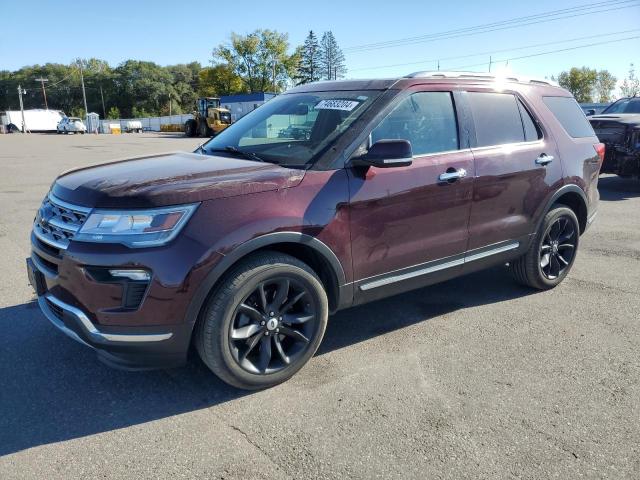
426, 119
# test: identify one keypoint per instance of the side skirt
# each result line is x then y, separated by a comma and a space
436, 271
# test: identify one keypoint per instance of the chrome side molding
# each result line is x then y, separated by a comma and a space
442, 264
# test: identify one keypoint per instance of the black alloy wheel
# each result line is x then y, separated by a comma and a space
273, 326
552, 251
263, 321
558, 248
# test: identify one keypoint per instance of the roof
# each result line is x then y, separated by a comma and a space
247, 97
418, 78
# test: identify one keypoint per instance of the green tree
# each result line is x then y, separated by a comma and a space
631, 85
332, 61
580, 82
114, 113
220, 80
605, 84
310, 62
260, 59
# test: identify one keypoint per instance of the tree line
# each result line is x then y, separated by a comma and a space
590, 85
261, 61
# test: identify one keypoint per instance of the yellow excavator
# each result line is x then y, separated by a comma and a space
209, 119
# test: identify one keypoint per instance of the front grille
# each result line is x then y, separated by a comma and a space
55, 309
57, 222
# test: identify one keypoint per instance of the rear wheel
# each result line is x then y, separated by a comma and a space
552, 251
264, 322
190, 128
205, 131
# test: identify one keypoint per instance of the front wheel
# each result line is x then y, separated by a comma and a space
263, 322
552, 251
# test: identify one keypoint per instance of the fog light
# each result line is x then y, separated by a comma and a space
137, 275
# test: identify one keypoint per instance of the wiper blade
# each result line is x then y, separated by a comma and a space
239, 153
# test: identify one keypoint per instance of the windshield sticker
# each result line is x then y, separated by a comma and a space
346, 105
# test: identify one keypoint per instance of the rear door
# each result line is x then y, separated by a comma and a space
407, 225
517, 168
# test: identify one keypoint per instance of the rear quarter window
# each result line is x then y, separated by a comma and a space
570, 115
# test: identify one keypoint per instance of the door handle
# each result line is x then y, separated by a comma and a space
452, 174
544, 159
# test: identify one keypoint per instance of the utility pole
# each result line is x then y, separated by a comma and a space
20, 93
44, 92
104, 111
489, 63
273, 65
438, 65
84, 94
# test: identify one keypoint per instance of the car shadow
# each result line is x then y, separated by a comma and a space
53, 389
613, 188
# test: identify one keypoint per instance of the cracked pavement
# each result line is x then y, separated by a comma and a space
473, 378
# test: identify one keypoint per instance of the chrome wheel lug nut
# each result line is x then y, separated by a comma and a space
262, 323
266, 333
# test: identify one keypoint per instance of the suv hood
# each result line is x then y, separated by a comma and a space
170, 179
625, 118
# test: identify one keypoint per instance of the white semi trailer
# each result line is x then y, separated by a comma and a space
36, 120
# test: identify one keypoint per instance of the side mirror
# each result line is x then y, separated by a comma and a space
590, 112
386, 154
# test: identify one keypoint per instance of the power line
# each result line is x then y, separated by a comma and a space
492, 52
503, 25
508, 22
539, 54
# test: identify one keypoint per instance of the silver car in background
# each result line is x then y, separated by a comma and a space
71, 124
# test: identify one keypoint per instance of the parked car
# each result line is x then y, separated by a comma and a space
71, 125
245, 247
618, 127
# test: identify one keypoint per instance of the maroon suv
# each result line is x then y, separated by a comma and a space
245, 246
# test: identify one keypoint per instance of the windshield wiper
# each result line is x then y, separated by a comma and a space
239, 153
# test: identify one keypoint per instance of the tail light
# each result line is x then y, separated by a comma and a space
600, 148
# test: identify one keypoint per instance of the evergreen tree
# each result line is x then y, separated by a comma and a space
309, 66
332, 58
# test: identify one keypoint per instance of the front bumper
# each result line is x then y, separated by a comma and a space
155, 333
129, 348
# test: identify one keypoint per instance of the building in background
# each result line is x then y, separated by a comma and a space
241, 104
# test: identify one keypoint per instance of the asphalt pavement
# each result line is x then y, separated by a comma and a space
473, 378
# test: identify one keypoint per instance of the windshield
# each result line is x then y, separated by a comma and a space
293, 129
624, 105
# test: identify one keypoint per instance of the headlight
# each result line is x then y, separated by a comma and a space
135, 228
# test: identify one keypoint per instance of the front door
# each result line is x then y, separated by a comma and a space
407, 223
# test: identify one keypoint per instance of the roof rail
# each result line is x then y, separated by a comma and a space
477, 75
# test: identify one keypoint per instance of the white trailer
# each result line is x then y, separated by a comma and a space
36, 120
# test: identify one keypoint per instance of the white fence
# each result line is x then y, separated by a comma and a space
149, 124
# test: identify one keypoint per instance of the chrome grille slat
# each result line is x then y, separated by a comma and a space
58, 221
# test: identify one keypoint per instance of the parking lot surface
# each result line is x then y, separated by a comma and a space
473, 378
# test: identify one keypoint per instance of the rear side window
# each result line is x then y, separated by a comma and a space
496, 117
426, 119
570, 115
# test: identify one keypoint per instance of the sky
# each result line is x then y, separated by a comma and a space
170, 32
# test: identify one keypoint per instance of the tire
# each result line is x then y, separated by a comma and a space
552, 251
205, 131
190, 128
240, 328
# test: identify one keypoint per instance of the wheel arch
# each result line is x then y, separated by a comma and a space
306, 248
573, 197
